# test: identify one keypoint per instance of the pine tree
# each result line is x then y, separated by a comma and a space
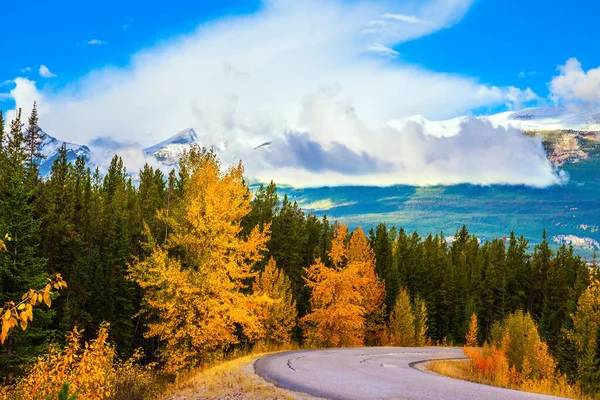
386, 267
33, 139
21, 268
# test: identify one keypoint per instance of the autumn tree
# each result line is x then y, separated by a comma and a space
401, 329
194, 284
471, 338
584, 336
347, 298
279, 317
421, 322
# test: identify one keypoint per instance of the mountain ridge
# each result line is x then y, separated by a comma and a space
562, 131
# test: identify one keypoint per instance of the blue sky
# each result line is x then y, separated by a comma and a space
495, 41
356, 79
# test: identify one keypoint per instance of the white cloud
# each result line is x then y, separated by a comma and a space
25, 70
300, 67
96, 42
576, 87
45, 72
384, 51
404, 18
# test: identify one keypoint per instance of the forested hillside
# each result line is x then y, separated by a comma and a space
193, 265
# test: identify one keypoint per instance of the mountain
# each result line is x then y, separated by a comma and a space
536, 119
568, 212
50, 146
568, 136
168, 152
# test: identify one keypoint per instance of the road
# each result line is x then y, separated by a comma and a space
374, 373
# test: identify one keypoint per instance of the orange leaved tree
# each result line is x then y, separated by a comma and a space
347, 297
279, 317
195, 284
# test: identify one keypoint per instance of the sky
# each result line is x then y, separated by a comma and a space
319, 74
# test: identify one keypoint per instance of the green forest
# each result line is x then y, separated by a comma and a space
99, 232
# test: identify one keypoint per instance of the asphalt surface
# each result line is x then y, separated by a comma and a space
374, 373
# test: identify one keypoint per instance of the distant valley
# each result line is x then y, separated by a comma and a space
569, 212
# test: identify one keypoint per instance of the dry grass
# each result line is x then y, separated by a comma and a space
461, 370
228, 380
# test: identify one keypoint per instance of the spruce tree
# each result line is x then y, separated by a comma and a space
21, 268
33, 139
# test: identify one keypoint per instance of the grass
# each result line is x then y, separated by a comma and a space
460, 370
227, 380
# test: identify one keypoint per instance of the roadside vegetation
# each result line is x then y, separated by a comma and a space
119, 290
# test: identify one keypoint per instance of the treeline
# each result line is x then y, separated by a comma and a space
192, 265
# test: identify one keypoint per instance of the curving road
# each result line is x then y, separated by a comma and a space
374, 373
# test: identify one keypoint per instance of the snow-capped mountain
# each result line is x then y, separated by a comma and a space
541, 119
168, 152
529, 119
50, 147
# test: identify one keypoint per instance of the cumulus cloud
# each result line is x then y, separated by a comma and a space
577, 87
304, 76
477, 153
96, 42
45, 72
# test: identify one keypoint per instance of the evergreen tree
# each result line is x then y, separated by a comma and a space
32, 141
21, 268
386, 268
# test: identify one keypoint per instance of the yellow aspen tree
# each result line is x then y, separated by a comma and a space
279, 318
584, 336
13, 314
194, 285
421, 322
88, 369
471, 338
401, 329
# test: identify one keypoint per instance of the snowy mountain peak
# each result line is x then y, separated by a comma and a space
170, 151
49, 149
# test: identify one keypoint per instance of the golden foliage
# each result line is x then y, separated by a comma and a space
87, 369
471, 338
401, 329
194, 284
517, 358
584, 336
408, 323
279, 317
461, 370
421, 322
20, 314
91, 370
345, 296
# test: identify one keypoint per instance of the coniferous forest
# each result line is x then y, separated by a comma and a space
173, 271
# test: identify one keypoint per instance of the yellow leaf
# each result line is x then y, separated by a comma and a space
23, 324
21, 306
6, 315
47, 299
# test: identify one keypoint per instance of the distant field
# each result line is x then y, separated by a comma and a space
490, 211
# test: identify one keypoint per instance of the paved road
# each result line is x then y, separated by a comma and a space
374, 373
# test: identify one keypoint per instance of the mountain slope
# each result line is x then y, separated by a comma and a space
168, 152
50, 147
